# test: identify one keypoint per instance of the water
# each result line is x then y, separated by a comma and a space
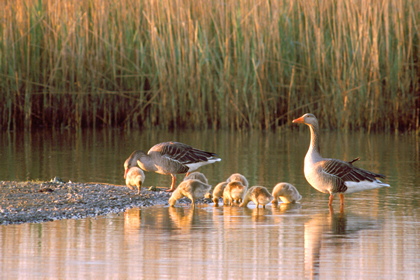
376, 237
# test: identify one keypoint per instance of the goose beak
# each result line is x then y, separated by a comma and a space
299, 120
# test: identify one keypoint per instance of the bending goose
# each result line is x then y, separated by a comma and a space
332, 175
171, 158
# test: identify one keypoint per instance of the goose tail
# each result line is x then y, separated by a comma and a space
353, 187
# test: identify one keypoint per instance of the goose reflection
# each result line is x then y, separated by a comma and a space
329, 230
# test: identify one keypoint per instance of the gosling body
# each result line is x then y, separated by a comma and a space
233, 193
218, 192
238, 177
257, 194
192, 188
198, 176
134, 177
286, 192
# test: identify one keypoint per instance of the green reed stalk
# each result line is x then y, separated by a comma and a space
199, 64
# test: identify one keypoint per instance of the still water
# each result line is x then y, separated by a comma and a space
376, 237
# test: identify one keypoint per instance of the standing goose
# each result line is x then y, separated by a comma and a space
332, 175
171, 158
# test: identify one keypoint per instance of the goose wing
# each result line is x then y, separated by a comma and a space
340, 171
182, 153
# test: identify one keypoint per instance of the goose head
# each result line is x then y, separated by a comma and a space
308, 119
131, 161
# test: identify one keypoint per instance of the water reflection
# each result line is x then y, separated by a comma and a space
132, 219
286, 208
206, 242
258, 214
184, 218
377, 236
331, 230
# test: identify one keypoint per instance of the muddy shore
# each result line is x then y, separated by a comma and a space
35, 202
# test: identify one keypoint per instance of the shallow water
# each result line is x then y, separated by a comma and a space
376, 237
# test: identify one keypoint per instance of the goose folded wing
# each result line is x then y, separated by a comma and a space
180, 152
174, 150
173, 166
347, 172
185, 154
335, 171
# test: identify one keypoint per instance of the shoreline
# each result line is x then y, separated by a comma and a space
37, 202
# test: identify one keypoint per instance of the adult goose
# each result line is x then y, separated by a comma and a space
332, 175
171, 158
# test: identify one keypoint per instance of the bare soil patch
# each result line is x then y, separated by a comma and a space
34, 202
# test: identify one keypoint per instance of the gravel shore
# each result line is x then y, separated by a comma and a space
34, 202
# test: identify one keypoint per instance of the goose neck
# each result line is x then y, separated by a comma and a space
146, 163
314, 149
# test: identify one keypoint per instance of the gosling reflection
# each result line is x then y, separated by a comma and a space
283, 211
183, 218
257, 214
321, 229
282, 208
132, 219
232, 216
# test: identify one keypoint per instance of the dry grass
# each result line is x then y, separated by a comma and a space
220, 64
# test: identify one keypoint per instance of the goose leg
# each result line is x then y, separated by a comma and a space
341, 199
331, 200
341, 203
331, 210
173, 183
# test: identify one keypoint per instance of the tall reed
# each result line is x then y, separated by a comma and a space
218, 64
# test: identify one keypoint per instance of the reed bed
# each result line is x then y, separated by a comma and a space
209, 64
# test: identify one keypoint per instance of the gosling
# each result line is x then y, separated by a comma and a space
192, 188
233, 193
286, 192
134, 177
259, 195
198, 176
238, 177
218, 192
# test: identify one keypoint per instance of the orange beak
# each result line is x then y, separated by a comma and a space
299, 120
